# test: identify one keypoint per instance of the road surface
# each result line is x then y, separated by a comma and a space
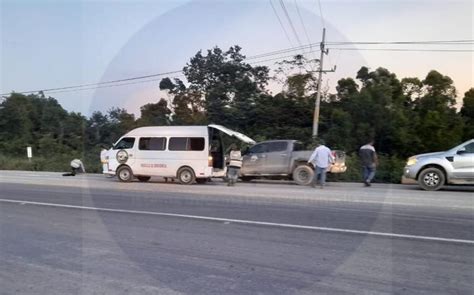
93, 235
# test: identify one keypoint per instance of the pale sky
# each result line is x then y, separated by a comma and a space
48, 44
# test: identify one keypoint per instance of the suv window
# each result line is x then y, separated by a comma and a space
152, 143
125, 143
259, 148
186, 144
279, 146
469, 148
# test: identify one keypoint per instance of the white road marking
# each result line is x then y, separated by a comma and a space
249, 222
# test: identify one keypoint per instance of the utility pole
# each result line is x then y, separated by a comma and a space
318, 93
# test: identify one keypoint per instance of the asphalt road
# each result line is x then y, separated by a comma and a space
92, 235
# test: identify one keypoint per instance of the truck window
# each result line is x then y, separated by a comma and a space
125, 143
298, 146
259, 148
279, 146
186, 144
152, 143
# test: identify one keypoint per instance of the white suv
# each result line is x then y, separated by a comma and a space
433, 170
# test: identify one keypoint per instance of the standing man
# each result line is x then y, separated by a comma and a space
321, 159
369, 161
235, 164
104, 160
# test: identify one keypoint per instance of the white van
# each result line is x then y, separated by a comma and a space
187, 153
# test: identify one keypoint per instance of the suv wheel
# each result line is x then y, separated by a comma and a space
303, 175
431, 179
125, 174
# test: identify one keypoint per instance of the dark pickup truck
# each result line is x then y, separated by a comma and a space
283, 159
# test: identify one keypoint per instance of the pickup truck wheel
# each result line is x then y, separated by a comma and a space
303, 175
431, 179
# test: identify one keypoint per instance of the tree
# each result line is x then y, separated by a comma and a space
155, 114
222, 84
467, 113
439, 125
187, 105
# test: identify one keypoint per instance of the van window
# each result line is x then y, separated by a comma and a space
152, 143
186, 144
279, 146
196, 143
125, 143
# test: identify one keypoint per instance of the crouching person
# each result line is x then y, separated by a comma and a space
76, 167
233, 169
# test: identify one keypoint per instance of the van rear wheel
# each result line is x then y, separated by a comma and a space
125, 174
186, 175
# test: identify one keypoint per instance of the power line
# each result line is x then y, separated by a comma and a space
446, 42
321, 13
290, 22
272, 53
302, 22
99, 83
282, 57
281, 23
108, 86
403, 49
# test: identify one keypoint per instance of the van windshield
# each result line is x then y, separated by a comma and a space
125, 143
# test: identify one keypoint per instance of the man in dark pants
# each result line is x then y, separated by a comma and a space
369, 161
234, 166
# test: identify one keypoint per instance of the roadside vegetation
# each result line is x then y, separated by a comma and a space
405, 116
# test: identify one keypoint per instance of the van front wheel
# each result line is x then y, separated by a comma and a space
186, 175
125, 174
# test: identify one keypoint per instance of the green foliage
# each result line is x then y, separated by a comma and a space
390, 170
467, 113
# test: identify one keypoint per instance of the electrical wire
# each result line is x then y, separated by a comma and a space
403, 49
282, 3
272, 53
302, 23
321, 13
281, 23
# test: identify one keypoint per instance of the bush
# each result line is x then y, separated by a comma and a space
390, 170
57, 163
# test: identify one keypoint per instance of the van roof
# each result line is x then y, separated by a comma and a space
169, 131
188, 131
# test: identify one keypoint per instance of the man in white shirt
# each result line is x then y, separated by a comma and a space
321, 159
